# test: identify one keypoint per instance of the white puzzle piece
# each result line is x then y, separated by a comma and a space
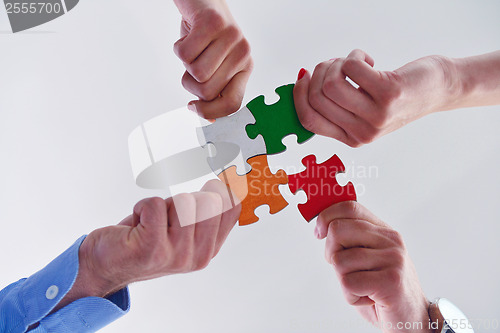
232, 129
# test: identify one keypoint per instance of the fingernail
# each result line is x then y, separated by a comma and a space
302, 72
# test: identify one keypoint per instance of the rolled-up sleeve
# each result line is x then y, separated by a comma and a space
29, 301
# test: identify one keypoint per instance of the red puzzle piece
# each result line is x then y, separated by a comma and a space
320, 185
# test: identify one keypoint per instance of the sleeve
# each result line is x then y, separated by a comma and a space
29, 301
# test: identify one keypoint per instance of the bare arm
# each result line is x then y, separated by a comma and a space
329, 105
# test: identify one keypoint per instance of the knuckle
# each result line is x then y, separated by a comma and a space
186, 200
352, 208
250, 64
182, 53
336, 260
352, 141
350, 63
339, 261
396, 238
207, 92
335, 227
244, 50
232, 102
153, 203
346, 281
200, 72
330, 87
397, 257
366, 136
321, 66
186, 81
394, 277
233, 33
316, 99
202, 262
355, 51
307, 121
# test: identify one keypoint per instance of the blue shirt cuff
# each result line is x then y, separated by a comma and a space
88, 314
29, 301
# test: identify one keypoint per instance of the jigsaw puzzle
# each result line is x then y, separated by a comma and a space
320, 185
259, 187
242, 143
275, 121
232, 129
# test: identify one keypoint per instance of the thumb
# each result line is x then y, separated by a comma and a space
151, 214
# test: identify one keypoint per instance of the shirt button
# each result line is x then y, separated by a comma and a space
52, 292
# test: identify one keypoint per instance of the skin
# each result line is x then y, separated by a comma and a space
216, 56
373, 266
151, 243
327, 104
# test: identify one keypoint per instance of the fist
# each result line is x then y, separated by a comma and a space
216, 56
379, 102
151, 242
375, 271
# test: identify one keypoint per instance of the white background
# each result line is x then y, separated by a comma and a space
72, 90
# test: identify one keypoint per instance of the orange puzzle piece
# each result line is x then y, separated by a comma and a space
256, 188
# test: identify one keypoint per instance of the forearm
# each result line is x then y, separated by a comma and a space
473, 81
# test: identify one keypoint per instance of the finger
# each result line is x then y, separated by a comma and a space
189, 47
350, 233
237, 61
361, 259
209, 211
344, 210
358, 66
360, 54
151, 213
231, 210
372, 284
182, 218
228, 102
343, 93
205, 66
309, 117
357, 130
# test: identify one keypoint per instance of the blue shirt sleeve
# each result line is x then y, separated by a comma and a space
29, 301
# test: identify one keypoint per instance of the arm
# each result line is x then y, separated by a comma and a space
374, 268
329, 105
216, 56
151, 242
91, 277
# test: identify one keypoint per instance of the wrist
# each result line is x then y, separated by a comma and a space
452, 86
91, 274
88, 283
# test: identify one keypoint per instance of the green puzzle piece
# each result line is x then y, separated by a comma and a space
276, 121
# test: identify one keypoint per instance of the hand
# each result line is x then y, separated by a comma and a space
374, 268
151, 243
216, 56
329, 105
